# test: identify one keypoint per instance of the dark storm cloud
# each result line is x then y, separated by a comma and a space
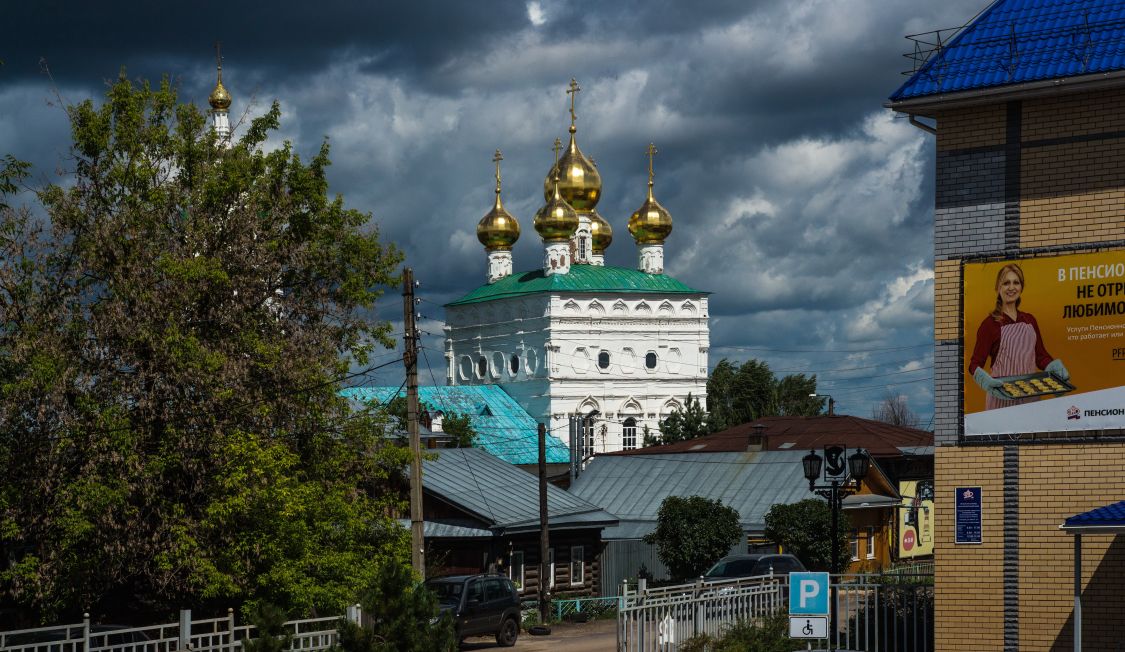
797, 199
85, 41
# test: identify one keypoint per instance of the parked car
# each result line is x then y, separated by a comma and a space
480, 605
755, 565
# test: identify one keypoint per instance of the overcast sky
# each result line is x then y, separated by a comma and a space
797, 199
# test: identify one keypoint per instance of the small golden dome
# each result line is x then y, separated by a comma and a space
651, 223
600, 232
219, 98
557, 220
498, 230
580, 184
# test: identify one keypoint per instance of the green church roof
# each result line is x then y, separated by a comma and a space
581, 278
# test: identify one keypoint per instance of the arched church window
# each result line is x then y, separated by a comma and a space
482, 367
603, 360
650, 360
629, 434
514, 363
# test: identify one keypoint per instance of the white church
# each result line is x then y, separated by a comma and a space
621, 348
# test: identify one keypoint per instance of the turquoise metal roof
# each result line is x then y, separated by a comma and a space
503, 427
580, 278
1017, 41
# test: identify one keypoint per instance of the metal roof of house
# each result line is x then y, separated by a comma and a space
631, 487
792, 433
1018, 41
580, 278
503, 427
1107, 520
502, 496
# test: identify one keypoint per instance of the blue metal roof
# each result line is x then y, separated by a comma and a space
1110, 518
502, 496
1018, 41
503, 427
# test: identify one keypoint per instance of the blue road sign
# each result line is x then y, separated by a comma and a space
808, 594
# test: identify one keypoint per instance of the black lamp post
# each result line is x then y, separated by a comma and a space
843, 476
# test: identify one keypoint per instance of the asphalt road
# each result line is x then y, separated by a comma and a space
595, 636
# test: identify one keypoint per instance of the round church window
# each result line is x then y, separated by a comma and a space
650, 360
514, 363
603, 360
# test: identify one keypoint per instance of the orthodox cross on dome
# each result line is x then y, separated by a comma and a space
572, 91
496, 158
557, 148
651, 151
219, 58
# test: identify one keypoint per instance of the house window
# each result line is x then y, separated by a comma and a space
515, 570
854, 545
550, 568
870, 542
603, 360
577, 566
629, 434
650, 360
482, 367
514, 363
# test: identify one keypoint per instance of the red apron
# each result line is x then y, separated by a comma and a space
1015, 358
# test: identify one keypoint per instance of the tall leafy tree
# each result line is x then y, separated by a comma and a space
804, 529
172, 340
692, 533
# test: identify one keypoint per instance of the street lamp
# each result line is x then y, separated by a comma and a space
840, 470
831, 401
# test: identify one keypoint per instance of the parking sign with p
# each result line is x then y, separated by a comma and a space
808, 594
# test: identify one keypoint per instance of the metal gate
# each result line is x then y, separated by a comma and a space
874, 613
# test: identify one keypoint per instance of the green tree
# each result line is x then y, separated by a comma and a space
686, 422
740, 393
173, 338
403, 617
459, 426
693, 533
804, 529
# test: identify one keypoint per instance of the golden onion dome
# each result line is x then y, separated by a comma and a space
651, 223
498, 230
600, 232
580, 184
219, 98
557, 220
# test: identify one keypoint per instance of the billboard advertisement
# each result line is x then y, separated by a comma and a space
916, 519
1044, 343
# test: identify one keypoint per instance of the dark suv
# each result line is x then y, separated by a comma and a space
754, 565
480, 605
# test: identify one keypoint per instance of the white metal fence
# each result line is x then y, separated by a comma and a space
874, 613
205, 635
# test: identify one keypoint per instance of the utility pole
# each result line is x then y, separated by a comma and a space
410, 359
544, 542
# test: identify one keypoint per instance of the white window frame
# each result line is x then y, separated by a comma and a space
853, 544
518, 578
587, 427
578, 556
626, 436
550, 568
871, 542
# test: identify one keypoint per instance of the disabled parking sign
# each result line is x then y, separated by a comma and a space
808, 594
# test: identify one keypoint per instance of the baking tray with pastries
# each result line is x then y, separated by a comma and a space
1032, 385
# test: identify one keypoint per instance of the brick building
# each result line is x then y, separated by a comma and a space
1027, 103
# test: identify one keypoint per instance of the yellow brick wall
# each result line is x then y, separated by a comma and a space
1072, 193
977, 126
947, 292
1057, 482
969, 579
1073, 115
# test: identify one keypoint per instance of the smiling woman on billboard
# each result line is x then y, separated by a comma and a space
1012, 340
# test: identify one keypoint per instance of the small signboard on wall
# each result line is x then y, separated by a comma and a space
968, 515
